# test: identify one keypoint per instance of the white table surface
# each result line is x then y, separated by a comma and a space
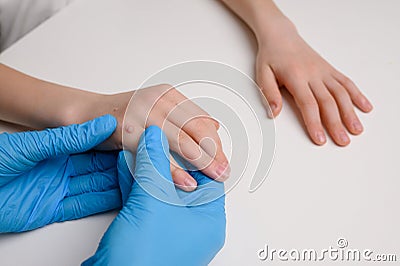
313, 195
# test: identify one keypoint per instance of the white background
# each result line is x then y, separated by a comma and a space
313, 195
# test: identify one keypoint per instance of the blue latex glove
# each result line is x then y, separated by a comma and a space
42, 183
148, 231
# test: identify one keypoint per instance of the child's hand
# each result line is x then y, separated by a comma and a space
325, 97
191, 132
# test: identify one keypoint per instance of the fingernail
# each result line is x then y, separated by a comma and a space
273, 107
271, 112
343, 136
223, 171
357, 126
321, 137
190, 182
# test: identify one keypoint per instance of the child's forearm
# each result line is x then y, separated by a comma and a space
260, 15
38, 104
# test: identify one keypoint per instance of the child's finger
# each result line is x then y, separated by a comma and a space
189, 150
309, 109
330, 113
356, 96
345, 105
181, 178
199, 128
269, 87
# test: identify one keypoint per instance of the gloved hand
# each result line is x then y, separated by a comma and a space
151, 229
42, 183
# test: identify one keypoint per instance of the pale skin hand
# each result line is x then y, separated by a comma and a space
191, 132
38, 104
325, 97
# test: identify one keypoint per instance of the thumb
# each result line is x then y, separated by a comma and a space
152, 171
40, 145
269, 87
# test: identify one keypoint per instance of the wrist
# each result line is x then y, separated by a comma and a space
87, 106
115, 105
268, 28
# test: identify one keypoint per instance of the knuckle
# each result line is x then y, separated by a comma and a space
166, 87
171, 91
162, 91
200, 123
296, 72
349, 116
314, 69
182, 139
327, 101
347, 82
309, 103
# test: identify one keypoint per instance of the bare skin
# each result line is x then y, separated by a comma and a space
324, 96
191, 132
39, 104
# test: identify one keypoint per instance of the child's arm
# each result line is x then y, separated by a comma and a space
39, 104
324, 95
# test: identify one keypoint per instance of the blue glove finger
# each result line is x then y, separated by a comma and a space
209, 192
88, 204
125, 178
37, 146
93, 182
91, 162
152, 171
